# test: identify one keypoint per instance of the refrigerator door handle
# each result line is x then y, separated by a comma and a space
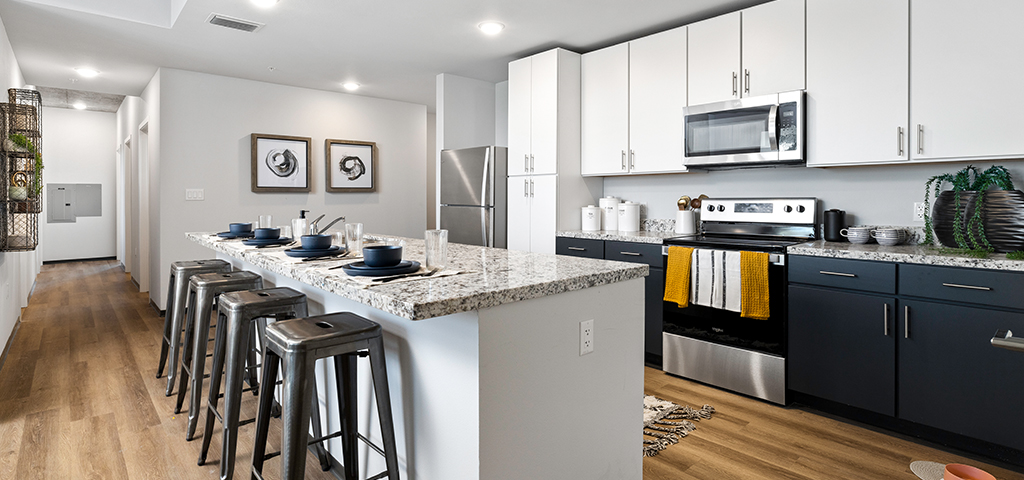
486, 233
487, 193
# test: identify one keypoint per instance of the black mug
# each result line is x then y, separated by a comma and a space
835, 220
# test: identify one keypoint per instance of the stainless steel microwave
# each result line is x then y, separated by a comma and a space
747, 132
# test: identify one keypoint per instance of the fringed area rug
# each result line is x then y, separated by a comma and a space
660, 426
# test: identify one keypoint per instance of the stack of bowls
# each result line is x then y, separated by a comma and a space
889, 235
857, 234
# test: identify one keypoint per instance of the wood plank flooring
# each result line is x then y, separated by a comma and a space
79, 397
79, 400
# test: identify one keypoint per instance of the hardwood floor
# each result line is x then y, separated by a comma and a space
79, 400
79, 397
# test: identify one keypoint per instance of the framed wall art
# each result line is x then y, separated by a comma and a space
280, 163
351, 166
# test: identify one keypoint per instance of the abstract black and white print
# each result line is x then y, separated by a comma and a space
280, 163
351, 166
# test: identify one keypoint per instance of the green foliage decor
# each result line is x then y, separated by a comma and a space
23, 142
970, 238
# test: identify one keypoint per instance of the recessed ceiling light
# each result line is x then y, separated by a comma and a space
79, 106
491, 28
87, 72
264, 3
350, 86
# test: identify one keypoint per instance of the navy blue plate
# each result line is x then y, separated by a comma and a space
359, 269
235, 235
300, 252
256, 242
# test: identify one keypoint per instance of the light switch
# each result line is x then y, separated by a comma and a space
194, 194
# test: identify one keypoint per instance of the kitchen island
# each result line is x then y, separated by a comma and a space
485, 371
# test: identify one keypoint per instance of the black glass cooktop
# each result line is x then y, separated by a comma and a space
759, 244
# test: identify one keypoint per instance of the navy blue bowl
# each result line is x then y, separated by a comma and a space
316, 242
382, 255
267, 233
240, 227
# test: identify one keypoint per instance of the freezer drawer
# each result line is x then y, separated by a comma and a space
472, 226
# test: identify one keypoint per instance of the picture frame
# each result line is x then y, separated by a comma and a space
280, 163
351, 166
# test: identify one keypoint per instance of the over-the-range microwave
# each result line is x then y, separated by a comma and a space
767, 130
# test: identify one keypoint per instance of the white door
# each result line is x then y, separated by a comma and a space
713, 53
657, 95
773, 47
965, 61
519, 213
520, 84
605, 111
857, 84
543, 213
544, 124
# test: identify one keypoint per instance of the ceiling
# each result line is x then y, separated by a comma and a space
393, 48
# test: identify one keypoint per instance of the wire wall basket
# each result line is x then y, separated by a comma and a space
21, 159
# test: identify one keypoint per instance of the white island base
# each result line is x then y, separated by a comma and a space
502, 392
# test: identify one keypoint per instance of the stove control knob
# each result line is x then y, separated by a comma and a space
721, 208
800, 208
787, 208
711, 208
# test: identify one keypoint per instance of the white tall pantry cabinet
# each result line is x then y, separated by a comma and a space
545, 188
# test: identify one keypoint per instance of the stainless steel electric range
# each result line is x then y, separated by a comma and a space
718, 346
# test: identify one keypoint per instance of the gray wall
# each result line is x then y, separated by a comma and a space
878, 195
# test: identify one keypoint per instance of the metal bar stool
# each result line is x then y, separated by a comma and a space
236, 313
174, 312
297, 344
203, 291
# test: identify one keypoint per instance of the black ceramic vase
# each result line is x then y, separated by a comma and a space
1002, 216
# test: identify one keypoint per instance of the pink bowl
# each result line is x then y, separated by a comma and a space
956, 471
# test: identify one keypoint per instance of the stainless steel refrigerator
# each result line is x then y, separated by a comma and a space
471, 192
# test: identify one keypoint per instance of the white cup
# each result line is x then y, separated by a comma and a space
686, 222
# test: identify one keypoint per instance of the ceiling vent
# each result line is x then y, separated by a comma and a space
235, 23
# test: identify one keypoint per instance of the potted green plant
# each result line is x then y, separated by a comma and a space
35, 189
972, 216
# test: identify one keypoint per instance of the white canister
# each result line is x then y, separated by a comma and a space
591, 218
629, 217
686, 222
609, 213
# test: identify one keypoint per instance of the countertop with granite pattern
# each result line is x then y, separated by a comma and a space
495, 276
919, 254
643, 236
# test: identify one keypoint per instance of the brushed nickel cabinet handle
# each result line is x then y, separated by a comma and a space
746, 81
632, 160
969, 287
526, 188
634, 254
906, 321
578, 249
837, 274
532, 162
734, 87
899, 141
531, 188
526, 162
623, 159
887, 319
920, 139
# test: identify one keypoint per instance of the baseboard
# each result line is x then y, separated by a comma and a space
135, 282
91, 259
7, 348
155, 307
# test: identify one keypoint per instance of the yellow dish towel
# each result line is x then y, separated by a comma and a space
677, 276
754, 285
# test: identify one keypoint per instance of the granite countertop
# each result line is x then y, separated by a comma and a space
643, 236
495, 276
919, 254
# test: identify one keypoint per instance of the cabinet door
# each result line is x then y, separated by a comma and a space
654, 294
519, 213
965, 60
773, 48
857, 84
713, 53
544, 113
605, 111
842, 347
952, 378
543, 199
520, 80
657, 95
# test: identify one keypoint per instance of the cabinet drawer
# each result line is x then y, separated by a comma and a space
986, 287
841, 273
635, 252
579, 247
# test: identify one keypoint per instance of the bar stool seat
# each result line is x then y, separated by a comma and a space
174, 311
236, 311
203, 292
295, 346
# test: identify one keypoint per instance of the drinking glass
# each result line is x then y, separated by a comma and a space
354, 237
286, 231
266, 221
436, 242
338, 238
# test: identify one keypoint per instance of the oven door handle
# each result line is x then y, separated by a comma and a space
773, 258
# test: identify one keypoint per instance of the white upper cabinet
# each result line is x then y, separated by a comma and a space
965, 59
539, 106
605, 112
520, 114
857, 83
657, 96
544, 105
713, 53
773, 47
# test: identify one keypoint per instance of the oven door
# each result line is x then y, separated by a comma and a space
748, 131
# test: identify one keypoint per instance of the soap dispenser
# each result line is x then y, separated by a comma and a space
299, 225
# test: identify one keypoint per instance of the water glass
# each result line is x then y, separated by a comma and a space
286, 231
338, 238
354, 237
436, 242
266, 221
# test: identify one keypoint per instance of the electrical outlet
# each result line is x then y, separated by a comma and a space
919, 211
586, 337
194, 194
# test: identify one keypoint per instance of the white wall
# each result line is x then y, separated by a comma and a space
431, 178
18, 270
878, 195
129, 116
77, 150
501, 114
199, 128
